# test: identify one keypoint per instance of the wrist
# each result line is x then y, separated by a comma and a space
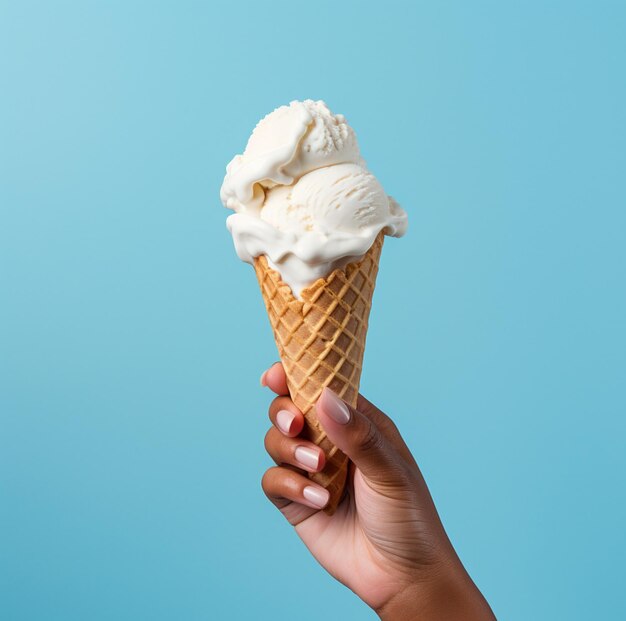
448, 595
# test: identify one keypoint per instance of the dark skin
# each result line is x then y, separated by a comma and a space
385, 542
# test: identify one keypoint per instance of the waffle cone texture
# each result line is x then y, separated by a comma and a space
321, 340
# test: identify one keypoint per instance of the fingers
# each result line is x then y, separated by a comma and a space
282, 486
366, 435
294, 451
281, 442
283, 413
275, 379
289, 489
362, 439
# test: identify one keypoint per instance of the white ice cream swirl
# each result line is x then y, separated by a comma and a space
303, 196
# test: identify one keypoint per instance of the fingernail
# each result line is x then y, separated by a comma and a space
335, 407
308, 457
317, 496
263, 378
284, 418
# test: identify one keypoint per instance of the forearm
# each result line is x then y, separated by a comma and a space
452, 597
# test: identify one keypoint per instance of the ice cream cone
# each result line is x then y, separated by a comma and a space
321, 340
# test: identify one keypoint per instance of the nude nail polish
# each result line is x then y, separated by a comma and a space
284, 419
317, 496
335, 407
308, 457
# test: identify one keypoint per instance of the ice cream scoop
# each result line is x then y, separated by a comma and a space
344, 197
286, 144
303, 196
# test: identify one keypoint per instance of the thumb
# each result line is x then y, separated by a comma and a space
360, 438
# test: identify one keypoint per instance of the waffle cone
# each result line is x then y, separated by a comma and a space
321, 340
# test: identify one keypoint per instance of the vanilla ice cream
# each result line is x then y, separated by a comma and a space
302, 195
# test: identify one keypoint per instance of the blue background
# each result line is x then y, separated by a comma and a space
132, 339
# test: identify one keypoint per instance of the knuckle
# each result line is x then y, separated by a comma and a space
390, 426
273, 407
370, 438
266, 481
383, 420
278, 403
273, 440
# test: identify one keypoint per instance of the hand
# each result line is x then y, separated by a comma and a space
385, 541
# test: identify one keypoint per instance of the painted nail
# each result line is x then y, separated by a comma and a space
335, 407
317, 496
308, 457
284, 418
